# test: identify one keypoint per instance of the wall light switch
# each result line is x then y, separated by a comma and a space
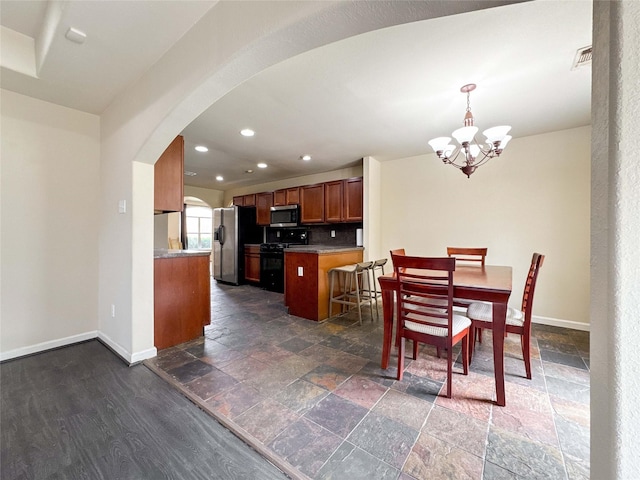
278, 233
300, 271
113, 310
122, 206
333, 234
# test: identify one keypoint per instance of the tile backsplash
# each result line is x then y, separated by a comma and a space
345, 234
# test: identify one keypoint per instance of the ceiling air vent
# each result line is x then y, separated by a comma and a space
582, 58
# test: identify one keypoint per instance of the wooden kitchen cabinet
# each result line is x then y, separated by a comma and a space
352, 198
168, 178
264, 201
287, 196
182, 298
280, 197
312, 203
252, 263
249, 200
333, 201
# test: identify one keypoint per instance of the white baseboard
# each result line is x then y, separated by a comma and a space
556, 322
127, 357
44, 346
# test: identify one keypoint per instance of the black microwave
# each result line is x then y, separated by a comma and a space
285, 216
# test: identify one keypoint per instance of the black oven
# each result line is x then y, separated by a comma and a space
272, 257
272, 267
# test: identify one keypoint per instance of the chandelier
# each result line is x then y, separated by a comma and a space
473, 154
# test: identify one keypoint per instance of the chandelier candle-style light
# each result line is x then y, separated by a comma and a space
472, 152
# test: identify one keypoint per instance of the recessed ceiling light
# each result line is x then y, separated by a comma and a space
262, 165
247, 132
190, 174
201, 148
248, 171
306, 158
219, 178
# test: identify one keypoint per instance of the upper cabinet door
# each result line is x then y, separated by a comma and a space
312, 203
333, 199
250, 200
353, 200
264, 201
168, 178
293, 196
280, 198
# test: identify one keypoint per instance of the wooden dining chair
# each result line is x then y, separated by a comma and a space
397, 251
518, 321
468, 255
425, 309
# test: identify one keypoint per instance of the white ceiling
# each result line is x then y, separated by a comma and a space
383, 94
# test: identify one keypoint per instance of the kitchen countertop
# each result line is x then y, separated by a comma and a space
165, 253
322, 248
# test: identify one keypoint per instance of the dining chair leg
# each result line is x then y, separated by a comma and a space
400, 360
415, 349
465, 354
472, 336
449, 370
525, 338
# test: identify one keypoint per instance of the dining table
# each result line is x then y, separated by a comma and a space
489, 283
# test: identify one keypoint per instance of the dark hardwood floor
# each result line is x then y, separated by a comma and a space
80, 412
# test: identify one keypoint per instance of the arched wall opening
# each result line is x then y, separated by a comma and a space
232, 42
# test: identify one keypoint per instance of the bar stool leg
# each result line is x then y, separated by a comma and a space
355, 276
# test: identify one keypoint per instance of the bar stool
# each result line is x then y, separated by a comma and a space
372, 290
353, 293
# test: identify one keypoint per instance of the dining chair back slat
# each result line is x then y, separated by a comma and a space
468, 255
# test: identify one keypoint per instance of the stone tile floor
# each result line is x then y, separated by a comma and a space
312, 397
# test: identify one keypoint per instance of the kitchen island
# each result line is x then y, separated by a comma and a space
182, 296
306, 288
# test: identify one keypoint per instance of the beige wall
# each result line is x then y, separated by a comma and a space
49, 238
534, 198
213, 198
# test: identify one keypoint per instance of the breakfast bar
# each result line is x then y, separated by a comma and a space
307, 280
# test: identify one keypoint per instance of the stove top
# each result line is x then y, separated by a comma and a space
276, 247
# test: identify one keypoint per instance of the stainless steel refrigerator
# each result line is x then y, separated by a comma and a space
233, 227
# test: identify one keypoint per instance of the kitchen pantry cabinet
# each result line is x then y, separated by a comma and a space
252, 263
286, 196
264, 201
312, 203
168, 187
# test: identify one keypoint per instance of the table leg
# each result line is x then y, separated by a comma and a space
499, 325
387, 314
